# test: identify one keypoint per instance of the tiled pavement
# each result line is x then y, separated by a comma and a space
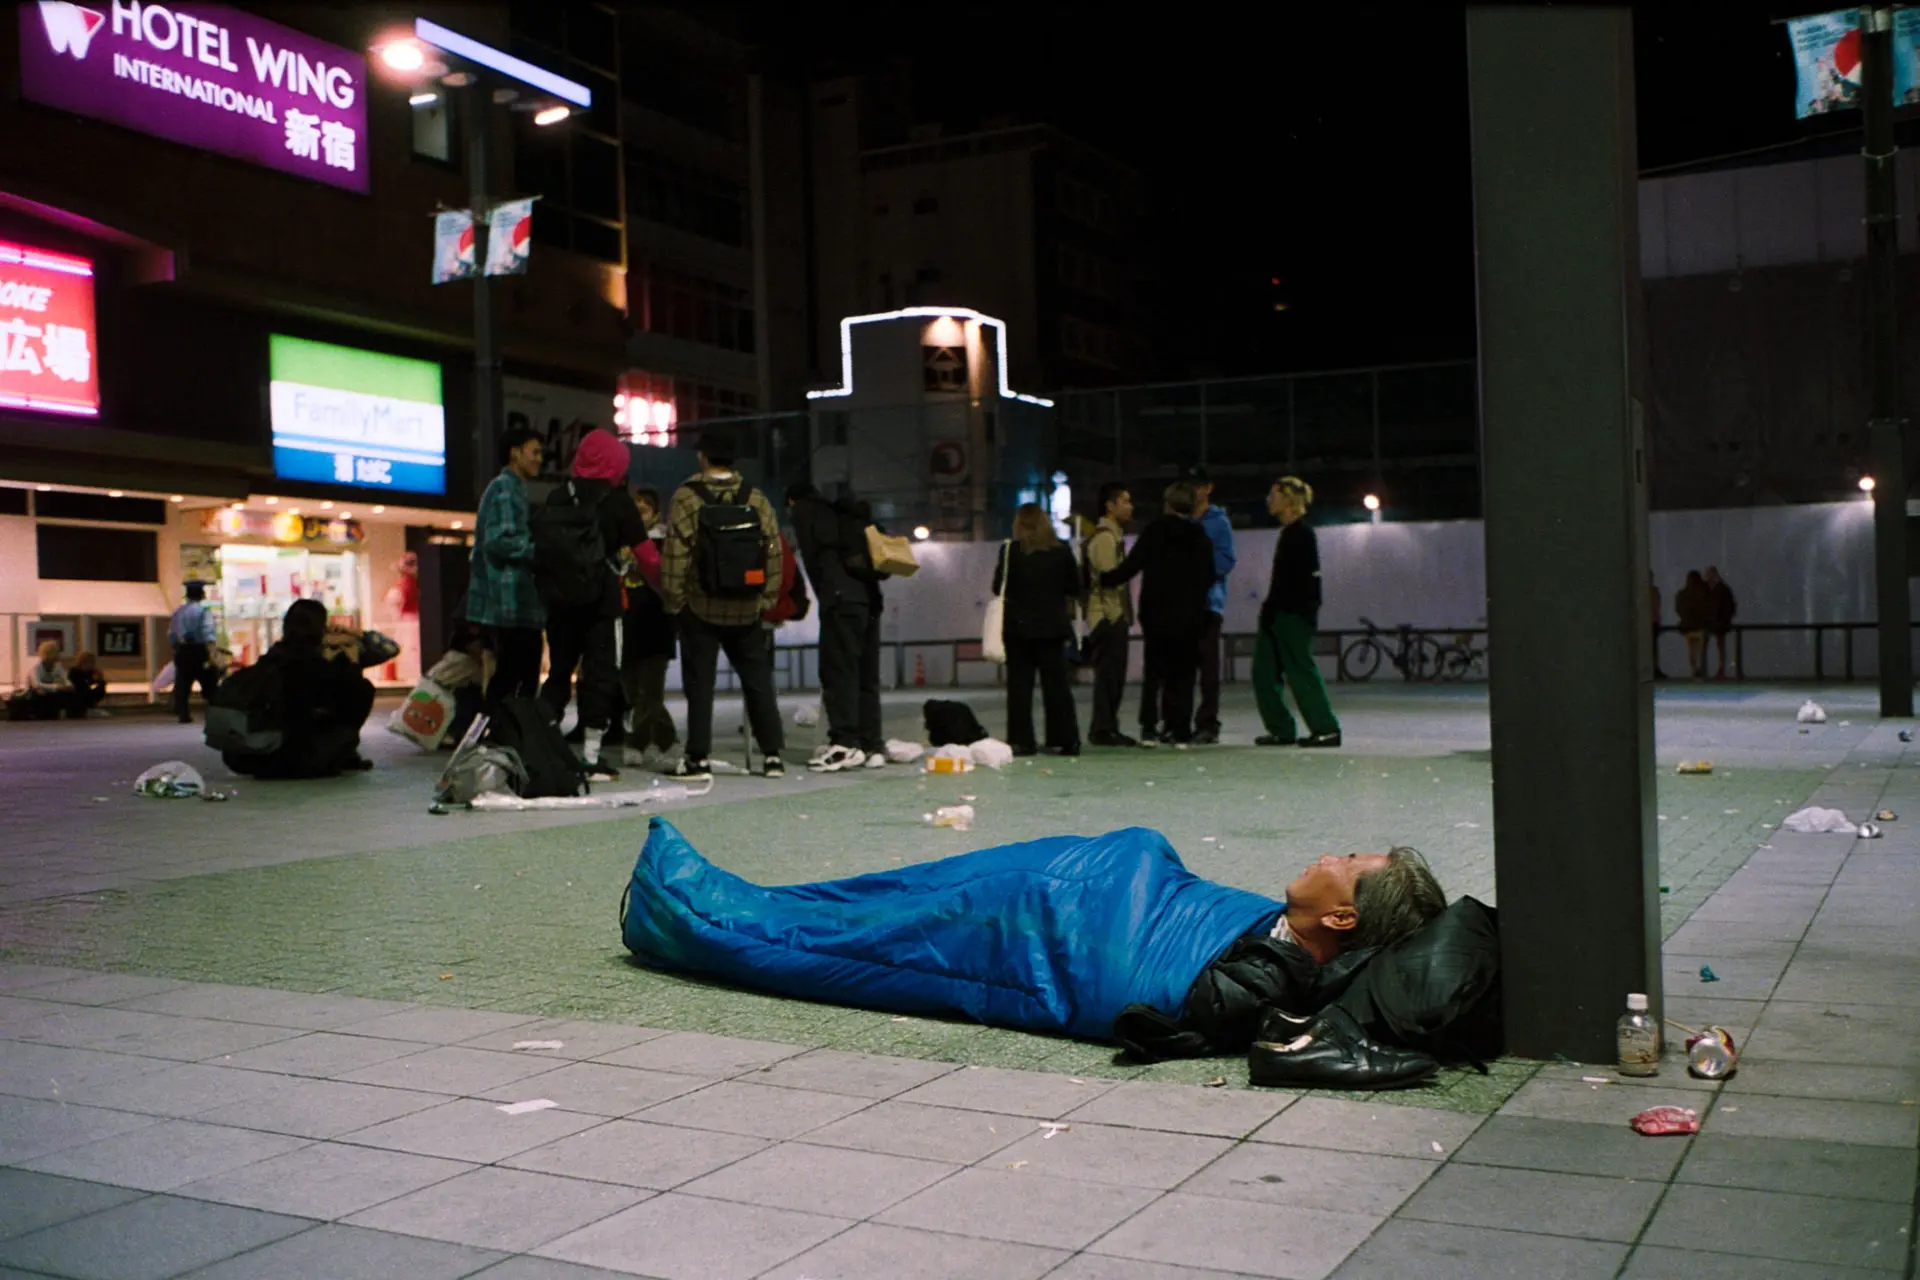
154, 1127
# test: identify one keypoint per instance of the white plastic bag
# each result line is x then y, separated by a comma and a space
1811, 712
423, 719
991, 752
900, 751
993, 627
164, 681
170, 780
807, 715
1817, 821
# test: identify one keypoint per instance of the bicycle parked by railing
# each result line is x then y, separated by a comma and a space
1417, 658
1463, 658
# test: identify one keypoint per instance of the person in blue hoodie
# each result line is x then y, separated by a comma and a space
1213, 520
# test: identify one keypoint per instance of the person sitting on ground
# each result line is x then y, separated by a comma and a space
323, 699
89, 686
464, 671
48, 690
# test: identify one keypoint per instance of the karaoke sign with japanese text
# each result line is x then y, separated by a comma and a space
46, 332
204, 75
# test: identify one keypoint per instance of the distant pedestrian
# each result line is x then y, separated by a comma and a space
1206, 720
833, 549
582, 592
1724, 607
1174, 557
719, 571
1041, 582
1283, 653
647, 646
502, 595
1693, 606
192, 634
1109, 616
1653, 607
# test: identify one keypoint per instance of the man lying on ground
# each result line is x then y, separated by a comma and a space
1063, 934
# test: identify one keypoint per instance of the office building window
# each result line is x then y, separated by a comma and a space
574, 167
661, 78
682, 305
687, 199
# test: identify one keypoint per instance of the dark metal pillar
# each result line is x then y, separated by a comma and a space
1555, 186
488, 393
1885, 429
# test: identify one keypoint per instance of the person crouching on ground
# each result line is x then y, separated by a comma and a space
48, 690
323, 702
89, 687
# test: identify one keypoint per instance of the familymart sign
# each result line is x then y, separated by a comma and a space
352, 417
205, 75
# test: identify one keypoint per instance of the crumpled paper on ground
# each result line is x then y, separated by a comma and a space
992, 753
1814, 820
900, 751
1811, 712
807, 715
656, 794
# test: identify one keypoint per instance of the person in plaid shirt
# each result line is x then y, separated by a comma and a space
501, 594
709, 624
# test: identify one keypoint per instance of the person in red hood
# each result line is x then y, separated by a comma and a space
584, 599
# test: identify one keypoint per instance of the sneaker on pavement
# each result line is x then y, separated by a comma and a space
820, 754
691, 771
875, 760
837, 758
774, 768
1322, 740
600, 771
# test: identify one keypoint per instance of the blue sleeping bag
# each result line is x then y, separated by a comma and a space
1051, 935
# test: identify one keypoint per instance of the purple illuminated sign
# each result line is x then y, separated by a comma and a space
205, 75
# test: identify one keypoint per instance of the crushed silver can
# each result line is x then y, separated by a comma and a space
1711, 1054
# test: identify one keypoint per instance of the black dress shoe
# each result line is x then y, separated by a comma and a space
1322, 740
1332, 1052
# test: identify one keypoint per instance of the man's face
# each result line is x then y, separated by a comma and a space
525, 460
1325, 888
1121, 508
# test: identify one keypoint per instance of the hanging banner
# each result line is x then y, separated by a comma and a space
452, 245
1826, 56
510, 237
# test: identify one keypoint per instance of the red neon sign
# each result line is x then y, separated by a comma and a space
47, 332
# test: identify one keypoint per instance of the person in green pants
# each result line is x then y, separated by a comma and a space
1283, 654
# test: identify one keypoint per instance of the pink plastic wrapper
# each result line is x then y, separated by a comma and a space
1656, 1121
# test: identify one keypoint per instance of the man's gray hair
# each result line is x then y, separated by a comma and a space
1395, 900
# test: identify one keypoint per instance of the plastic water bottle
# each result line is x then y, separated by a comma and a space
1638, 1038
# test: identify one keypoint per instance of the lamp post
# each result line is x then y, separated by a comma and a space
486, 78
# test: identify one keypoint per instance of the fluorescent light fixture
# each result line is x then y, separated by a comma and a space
379, 511
952, 313
459, 524
551, 115
505, 63
403, 55
178, 497
423, 99
116, 493
272, 502
326, 506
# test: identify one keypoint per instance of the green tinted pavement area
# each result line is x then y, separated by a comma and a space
526, 922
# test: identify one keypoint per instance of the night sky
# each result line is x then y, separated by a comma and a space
1324, 146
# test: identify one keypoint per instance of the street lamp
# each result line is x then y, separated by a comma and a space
488, 77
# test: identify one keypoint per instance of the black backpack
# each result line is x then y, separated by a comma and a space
246, 714
1438, 989
570, 557
951, 723
529, 728
729, 546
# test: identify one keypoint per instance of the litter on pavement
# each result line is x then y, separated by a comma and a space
1695, 766
900, 751
540, 1044
170, 780
1811, 712
1814, 820
531, 1104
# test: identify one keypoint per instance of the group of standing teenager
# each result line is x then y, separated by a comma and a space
1183, 559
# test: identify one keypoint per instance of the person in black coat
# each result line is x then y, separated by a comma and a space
1174, 557
833, 547
647, 646
1042, 583
323, 702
